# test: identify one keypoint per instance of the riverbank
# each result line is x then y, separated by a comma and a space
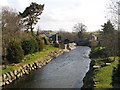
101, 73
31, 62
65, 71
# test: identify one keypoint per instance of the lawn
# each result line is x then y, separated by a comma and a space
31, 58
103, 77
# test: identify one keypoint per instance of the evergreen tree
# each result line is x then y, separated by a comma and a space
108, 27
30, 15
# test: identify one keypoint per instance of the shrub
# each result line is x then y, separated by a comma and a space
40, 44
98, 52
30, 46
46, 41
35, 45
56, 45
15, 53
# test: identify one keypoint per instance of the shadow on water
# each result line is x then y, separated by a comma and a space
66, 71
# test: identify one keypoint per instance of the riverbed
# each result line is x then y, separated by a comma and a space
65, 71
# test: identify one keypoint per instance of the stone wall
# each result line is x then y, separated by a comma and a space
9, 77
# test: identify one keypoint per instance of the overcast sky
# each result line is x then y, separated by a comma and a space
64, 14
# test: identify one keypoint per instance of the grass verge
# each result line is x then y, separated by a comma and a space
103, 76
30, 58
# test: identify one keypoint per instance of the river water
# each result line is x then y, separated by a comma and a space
66, 71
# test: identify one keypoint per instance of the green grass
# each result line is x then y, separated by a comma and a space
103, 76
29, 59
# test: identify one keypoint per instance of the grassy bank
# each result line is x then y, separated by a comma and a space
31, 58
103, 76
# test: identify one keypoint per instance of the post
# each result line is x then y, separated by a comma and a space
56, 38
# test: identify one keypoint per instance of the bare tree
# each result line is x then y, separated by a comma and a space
10, 28
115, 11
80, 28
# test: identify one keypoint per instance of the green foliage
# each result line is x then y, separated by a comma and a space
30, 46
30, 59
40, 43
109, 39
98, 52
15, 53
30, 15
46, 41
56, 45
108, 27
104, 75
35, 45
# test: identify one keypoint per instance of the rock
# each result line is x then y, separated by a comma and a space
7, 82
13, 77
4, 76
35, 67
18, 75
32, 68
15, 72
10, 80
107, 64
8, 76
39, 66
1, 80
11, 74
95, 67
26, 72
3, 83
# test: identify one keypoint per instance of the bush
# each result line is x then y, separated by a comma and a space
56, 45
35, 45
98, 52
15, 53
40, 44
46, 41
30, 46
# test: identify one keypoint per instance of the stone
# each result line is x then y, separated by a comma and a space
12, 74
15, 72
95, 66
7, 82
18, 75
8, 76
35, 67
3, 83
107, 64
4, 76
10, 80
32, 68
26, 72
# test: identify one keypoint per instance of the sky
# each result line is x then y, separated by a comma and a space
64, 14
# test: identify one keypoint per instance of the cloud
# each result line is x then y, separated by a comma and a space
4, 3
65, 13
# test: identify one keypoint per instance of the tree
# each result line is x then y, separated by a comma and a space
30, 15
10, 29
15, 53
109, 39
108, 27
114, 8
71, 36
80, 29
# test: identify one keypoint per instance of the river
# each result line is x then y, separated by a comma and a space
65, 71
